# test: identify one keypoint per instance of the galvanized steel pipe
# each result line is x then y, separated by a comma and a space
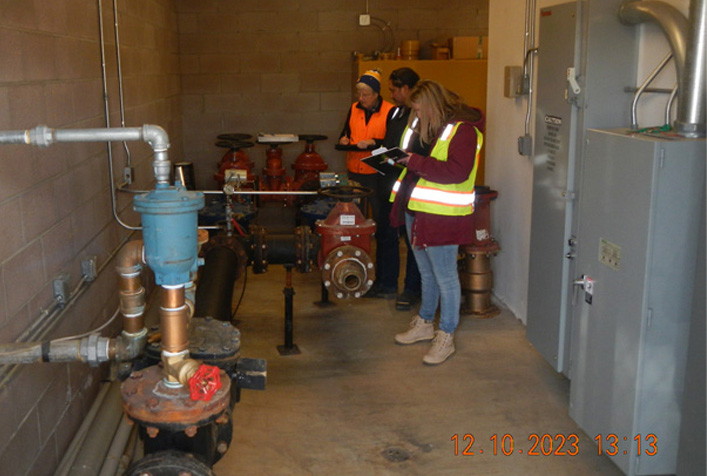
688, 42
692, 97
154, 136
667, 17
92, 350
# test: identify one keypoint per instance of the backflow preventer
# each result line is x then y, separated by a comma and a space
181, 404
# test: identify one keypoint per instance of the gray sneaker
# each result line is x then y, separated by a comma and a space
419, 330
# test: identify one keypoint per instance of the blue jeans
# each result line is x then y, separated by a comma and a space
440, 282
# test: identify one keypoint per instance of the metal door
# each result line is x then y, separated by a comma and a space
553, 171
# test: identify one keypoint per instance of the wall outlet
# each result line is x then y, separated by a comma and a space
364, 19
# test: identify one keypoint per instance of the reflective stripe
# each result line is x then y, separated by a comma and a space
396, 186
409, 131
446, 132
443, 197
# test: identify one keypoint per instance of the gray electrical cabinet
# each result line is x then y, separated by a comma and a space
639, 218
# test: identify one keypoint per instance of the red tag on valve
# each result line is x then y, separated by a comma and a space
205, 382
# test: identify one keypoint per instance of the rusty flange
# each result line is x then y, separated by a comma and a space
259, 249
305, 252
148, 401
348, 271
228, 242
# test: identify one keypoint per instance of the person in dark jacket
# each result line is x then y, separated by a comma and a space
434, 197
400, 83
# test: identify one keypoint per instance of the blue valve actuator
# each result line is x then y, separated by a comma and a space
169, 231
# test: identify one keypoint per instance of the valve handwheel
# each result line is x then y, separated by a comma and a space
233, 145
237, 137
205, 382
309, 138
346, 193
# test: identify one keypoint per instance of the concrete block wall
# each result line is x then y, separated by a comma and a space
278, 66
198, 68
55, 207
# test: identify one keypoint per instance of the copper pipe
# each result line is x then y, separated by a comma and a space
132, 307
172, 297
130, 259
130, 283
174, 320
129, 263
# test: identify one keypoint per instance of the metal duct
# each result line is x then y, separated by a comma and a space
692, 96
668, 18
687, 42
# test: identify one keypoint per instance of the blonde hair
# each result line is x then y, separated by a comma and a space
437, 105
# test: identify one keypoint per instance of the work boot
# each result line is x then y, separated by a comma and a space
406, 300
380, 292
442, 348
419, 330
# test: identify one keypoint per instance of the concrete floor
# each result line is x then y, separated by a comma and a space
355, 403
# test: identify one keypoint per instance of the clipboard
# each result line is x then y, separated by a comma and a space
385, 160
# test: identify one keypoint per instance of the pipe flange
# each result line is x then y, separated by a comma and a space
169, 463
304, 249
348, 271
259, 248
148, 401
231, 243
214, 342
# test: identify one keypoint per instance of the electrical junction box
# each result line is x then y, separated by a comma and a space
512, 81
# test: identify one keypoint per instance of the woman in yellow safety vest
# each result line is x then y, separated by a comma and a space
434, 198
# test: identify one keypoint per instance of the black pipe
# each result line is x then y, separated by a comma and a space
279, 248
214, 292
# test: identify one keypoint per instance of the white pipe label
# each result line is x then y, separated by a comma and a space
347, 220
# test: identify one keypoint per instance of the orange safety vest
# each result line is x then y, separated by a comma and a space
375, 129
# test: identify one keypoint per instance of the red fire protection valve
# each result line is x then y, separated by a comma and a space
205, 382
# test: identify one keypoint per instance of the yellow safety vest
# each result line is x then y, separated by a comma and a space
456, 199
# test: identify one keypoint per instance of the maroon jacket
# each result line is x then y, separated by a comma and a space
438, 230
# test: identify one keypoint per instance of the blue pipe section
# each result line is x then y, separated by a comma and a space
169, 232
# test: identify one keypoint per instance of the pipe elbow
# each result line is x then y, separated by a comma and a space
179, 368
670, 20
130, 258
156, 137
128, 346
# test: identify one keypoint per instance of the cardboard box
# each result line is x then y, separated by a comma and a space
469, 47
440, 52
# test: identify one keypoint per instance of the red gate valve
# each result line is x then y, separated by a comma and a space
205, 382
